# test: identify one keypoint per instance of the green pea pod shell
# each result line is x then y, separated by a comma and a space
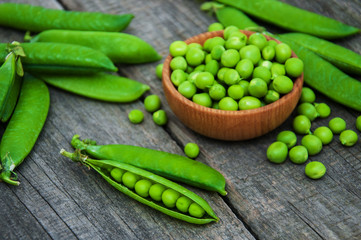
172, 166
100, 86
7, 79
101, 165
326, 78
343, 58
37, 19
61, 57
119, 47
231, 16
24, 126
292, 18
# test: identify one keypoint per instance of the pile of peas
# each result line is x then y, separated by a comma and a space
157, 192
235, 72
312, 142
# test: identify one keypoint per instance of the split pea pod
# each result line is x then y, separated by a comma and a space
326, 78
172, 166
292, 18
150, 189
100, 86
24, 126
37, 19
119, 47
341, 57
61, 57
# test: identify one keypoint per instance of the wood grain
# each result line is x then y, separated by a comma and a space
58, 199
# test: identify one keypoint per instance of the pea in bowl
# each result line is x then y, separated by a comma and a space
225, 124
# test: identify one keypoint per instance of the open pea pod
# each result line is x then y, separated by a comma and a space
169, 165
103, 167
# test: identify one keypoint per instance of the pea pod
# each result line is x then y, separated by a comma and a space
339, 56
24, 126
292, 18
37, 19
101, 86
103, 167
231, 16
61, 57
172, 166
119, 47
326, 78
7, 79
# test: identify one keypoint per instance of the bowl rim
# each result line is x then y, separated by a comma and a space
166, 82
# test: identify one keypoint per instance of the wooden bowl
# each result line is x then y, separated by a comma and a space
228, 125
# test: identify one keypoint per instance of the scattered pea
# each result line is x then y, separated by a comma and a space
323, 110
277, 152
307, 95
287, 137
301, 124
358, 123
159, 70
312, 143
136, 116
160, 117
315, 170
308, 110
337, 125
348, 138
152, 103
191, 150
298, 154
324, 134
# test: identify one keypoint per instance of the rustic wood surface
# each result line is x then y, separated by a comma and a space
58, 199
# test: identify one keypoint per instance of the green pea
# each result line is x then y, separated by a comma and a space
202, 99
263, 73
308, 110
221, 72
215, 27
142, 187
271, 96
315, 170
169, 197
249, 102
268, 52
258, 40
178, 63
301, 124
257, 88
244, 84
199, 68
159, 70
129, 179
228, 30
191, 150
307, 95
204, 80
231, 77
287, 137
234, 43
230, 58
277, 70
189, 69
195, 45
298, 154
215, 105
178, 48
194, 56
136, 116
212, 67
187, 89
212, 42
195, 210
228, 103
358, 123
156, 191
192, 76
117, 174
208, 58
183, 204
152, 103
217, 92
272, 43
250, 52
267, 64
337, 125
283, 84
294, 67
160, 117
236, 92
217, 52
283, 52
178, 76
348, 138
312, 143
245, 68
277, 152
324, 134
323, 110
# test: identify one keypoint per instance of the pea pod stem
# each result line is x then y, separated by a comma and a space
172, 166
100, 165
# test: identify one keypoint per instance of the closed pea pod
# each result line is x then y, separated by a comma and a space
24, 126
101, 165
169, 165
119, 47
7, 79
100, 86
293, 18
61, 57
37, 19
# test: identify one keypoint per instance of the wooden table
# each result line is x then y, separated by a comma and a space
58, 199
